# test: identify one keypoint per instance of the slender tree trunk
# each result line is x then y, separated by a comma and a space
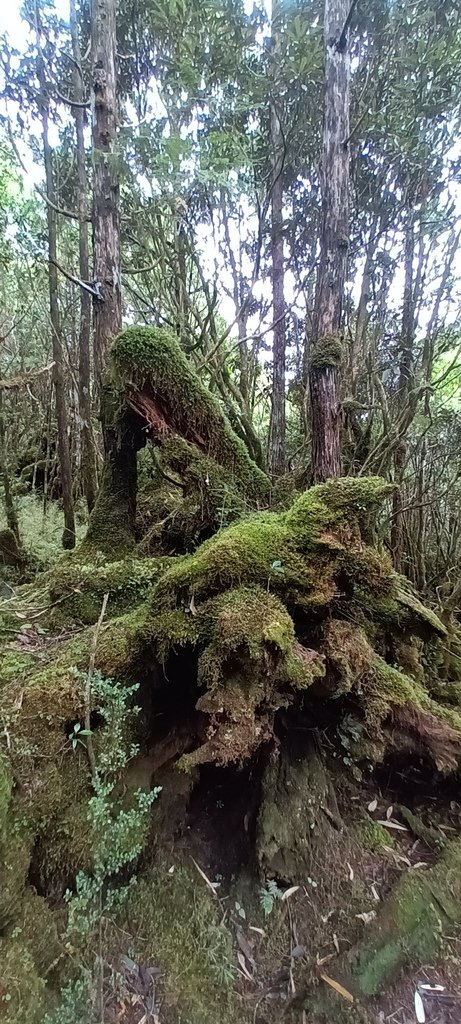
84, 370
68, 537
405, 380
10, 511
278, 422
329, 301
107, 307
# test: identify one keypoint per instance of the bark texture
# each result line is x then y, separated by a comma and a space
68, 537
277, 432
329, 301
106, 195
84, 385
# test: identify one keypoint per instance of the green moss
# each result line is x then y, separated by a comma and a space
21, 987
327, 351
187, 497
373, 836
5, 791
77, 589
181, 929
150, 358
408, 929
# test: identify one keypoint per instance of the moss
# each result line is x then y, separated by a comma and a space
186, 498
373, 836
6, 785
35, 930
182, 930
150, 359
77, 589
408, 929
22, 988
15, 854
327, 351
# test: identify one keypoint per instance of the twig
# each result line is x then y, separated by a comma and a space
94, 645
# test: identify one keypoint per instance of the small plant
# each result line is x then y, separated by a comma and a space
268, 896
75, 737
118, 831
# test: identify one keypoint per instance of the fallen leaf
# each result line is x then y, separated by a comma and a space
393, 824
351, 872
367, 916
419, 1009
431, 988
242, 962
260, 931
338, 988
373, 805
375, 892
245, 947
389, 812
335, 942
420, 864
211, 885
192, 607
289, 892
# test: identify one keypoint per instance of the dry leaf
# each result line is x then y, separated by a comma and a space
338, 988
192, 607
351, 872
335, 942
419, 1009
289, 892
367, 916
420, 864
389, 812
373, 805
259, 931
243, 965
375, 892
393, 824
211, 885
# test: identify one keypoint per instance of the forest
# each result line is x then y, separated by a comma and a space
230, 527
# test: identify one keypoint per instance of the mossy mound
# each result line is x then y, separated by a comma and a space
77, 589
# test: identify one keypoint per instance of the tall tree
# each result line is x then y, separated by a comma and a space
68, 537
277, 156
107, 306
326, 350
84, 346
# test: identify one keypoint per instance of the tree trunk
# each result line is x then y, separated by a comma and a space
106, 196
278, 425
68, 537
84, 378
329, 300
405, 380
10, 511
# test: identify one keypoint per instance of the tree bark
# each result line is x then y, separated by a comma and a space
107, 308
278, 419
68, 537
84, 342
405, 381
10, 511
329, 301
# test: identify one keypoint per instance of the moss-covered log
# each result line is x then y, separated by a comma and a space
151, 391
